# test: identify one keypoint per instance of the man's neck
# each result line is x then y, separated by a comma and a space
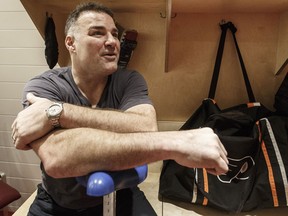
91, 87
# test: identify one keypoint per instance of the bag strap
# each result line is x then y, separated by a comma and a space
224, 27
217, 65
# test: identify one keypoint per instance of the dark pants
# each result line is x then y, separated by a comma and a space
129, 202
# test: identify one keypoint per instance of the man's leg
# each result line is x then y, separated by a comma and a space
132, 202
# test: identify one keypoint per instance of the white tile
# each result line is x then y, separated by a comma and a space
10, 107
10, 39
5, 142
23, 56
15, 94
6, 122
16, 20
11, 5
12, 155
28, 171
20, 73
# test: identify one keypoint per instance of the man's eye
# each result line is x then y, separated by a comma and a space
97, 33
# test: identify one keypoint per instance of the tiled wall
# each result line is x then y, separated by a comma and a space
21, 58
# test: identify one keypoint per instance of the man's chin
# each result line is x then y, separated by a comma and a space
111, 68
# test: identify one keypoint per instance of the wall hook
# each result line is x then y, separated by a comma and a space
47, 14
164, 16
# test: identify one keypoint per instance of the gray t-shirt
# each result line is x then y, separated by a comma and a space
124, 89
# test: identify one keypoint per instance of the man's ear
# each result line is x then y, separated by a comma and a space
69, 43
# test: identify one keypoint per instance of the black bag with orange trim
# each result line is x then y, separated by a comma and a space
270, 188
246, 186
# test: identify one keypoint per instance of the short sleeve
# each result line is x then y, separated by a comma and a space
135, 91
42, 86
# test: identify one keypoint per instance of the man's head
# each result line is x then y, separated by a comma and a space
92, 40
90, 6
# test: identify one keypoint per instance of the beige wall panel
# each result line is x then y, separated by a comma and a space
11, 155
21, 38
16, 20
20, 73
22, 56
14, 170
10, 107
15, 94
5, 143
6, 122
11, 5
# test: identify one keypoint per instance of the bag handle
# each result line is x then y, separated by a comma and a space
224, 27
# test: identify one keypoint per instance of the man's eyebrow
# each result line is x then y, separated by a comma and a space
96, 27
101, 28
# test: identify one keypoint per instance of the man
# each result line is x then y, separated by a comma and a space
75, 140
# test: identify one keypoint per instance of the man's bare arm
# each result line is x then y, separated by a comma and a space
32, 122
77, 152
139, 118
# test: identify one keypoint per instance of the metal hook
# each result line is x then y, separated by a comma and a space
164, 16
222, 22
47, 14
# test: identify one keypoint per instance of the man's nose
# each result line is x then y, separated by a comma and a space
111, 40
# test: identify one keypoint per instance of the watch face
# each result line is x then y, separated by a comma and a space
55, 109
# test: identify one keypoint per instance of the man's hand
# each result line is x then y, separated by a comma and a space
201, 148
31, 123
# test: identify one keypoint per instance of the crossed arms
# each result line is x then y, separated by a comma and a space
111, 140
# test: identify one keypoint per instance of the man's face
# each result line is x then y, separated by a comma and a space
96, 43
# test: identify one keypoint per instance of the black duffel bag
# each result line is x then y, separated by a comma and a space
238, 130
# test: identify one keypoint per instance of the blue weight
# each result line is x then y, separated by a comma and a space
101, 183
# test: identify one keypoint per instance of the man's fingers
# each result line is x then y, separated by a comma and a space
211, 171
220, 168
223, 155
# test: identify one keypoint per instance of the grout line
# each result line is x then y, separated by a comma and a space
26, 179
18, 163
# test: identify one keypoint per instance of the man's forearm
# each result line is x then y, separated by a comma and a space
136, 119
77, 152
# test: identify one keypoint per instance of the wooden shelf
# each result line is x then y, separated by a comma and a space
118, 6
228, 6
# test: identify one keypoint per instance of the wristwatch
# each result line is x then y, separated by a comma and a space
54, 112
